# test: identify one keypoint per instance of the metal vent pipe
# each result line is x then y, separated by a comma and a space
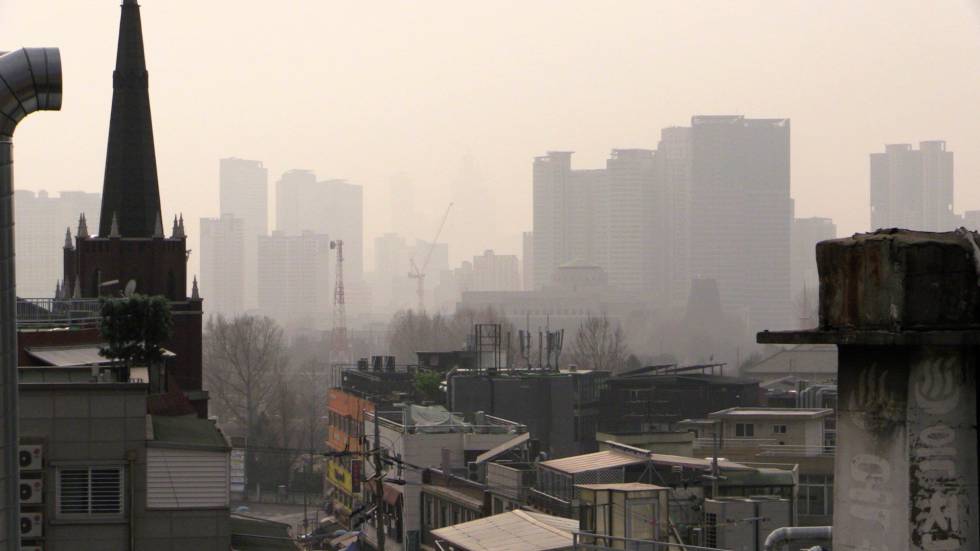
30, 80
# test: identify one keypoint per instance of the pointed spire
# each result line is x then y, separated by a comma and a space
179, 234
195, 294
69, 245
173, 232
82, 227
158, 228
57, 289
131, 188
77, 291
114, 228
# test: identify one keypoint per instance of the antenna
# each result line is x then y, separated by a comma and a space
339, 346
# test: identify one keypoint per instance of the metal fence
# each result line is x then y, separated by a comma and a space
50, 312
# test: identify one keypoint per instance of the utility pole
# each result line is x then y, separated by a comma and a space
379, 488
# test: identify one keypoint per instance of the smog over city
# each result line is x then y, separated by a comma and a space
461, 275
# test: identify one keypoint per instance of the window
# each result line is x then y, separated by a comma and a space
744, 429
816, 495
779, 429
84, 492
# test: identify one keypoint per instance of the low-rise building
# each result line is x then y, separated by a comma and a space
797, 437
560, 408
106, 473
417, 437
345, 435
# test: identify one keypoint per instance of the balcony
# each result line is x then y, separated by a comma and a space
761, 447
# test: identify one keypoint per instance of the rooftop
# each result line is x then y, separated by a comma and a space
596, 461
511, 531
771, 413
623, 487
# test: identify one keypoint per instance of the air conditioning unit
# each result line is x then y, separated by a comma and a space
30, 457
31, 525
31, 491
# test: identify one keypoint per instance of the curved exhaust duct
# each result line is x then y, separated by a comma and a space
30, 80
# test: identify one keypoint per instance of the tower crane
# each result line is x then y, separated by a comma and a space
418, 273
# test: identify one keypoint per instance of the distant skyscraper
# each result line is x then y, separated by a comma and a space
741, 213
295, 202
612, 218
807, 232
244, 193
494, 272
332, 207
674, 168
223, 264
630, 224
563, 210
971, 220
41, 224
527, 261
294, 280
913, 188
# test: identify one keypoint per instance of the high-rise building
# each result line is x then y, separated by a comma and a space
295, 202
223, 264
294, 280
41, 224
527, 261
971, 220
913, 189
563, 210
741, 211
807, 232
630, 224
495, 272
612, 218
674, 167
332, 207
244, 193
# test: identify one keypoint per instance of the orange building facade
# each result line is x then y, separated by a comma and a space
345, 432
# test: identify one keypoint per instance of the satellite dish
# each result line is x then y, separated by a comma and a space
130, 288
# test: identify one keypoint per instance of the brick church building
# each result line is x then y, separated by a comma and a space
130, 252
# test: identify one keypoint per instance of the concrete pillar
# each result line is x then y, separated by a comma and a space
903, 308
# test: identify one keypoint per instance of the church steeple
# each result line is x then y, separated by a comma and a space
130, 191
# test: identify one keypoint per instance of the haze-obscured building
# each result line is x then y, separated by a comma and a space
494, 272
331, 207
913, 188
807, 232
244, 193
294, 280
41, 223
527, 261
223, 273
741, 214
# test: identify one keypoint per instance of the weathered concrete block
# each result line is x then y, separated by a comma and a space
899, 279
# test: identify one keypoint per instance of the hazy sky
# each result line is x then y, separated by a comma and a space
378, 92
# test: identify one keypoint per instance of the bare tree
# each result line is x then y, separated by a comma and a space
599, 345
411, 332
244, 363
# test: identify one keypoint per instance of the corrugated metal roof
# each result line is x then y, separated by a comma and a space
70, 356
66, 356
511, 531
696, 463
506, 446
777, 413
623, 487
607, 459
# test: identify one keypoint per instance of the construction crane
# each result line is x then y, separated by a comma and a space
418, 273
339, 346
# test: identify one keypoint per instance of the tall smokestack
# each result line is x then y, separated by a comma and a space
30, 80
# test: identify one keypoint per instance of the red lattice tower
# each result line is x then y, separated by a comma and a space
340, 351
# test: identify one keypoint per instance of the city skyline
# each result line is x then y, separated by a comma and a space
794, 84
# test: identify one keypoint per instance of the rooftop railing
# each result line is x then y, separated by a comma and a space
52, 312
585, 541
